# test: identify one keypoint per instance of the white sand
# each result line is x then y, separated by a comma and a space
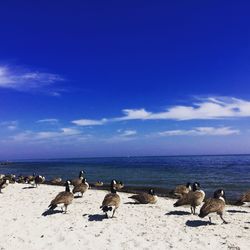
135, 226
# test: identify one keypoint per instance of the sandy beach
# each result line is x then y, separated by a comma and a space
159, 226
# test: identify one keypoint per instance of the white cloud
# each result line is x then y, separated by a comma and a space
127, 133
45, 135
48, 120
26, 80
206, 109
209, 108
89, 122
134, 114
10, 125
221, 131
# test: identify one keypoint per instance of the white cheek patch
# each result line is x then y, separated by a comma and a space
221, 198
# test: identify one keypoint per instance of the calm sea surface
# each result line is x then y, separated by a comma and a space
230, 172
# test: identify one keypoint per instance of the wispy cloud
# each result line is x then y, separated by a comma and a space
209, 108
22, 79
10, 125
204, 109
45, 135
89, 122
48, 120
127, 133
221, 131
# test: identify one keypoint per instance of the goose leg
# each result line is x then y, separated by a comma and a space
113, 213
223, 219
194, 210
191, 210
66, 206
106, 214
210, 220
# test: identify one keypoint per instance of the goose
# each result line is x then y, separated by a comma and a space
214, 205
11, 178
4, 184
82, 187
56, 181
194, 198
111, 201
78, 180
64, 198
180, 190
31, 179
245, 198
145, 198
39, 180
98, 184
20, 179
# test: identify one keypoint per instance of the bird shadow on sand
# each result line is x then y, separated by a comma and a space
77, 196
28, 187
131, 203
95, 217
51, 212
237, 211
178, 213
197, 223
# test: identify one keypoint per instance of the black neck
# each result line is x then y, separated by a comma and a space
113, 191
67, 188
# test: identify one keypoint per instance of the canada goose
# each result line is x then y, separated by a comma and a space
82, 187
64, 198
78, 180
98, 184
194, 198
183, 189
111, 200
119, 185
31, 179
3, 185
20, 179
11, 178
245, 198
56, 181
214, 205
145, 198
39, 180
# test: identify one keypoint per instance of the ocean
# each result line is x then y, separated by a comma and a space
230, 172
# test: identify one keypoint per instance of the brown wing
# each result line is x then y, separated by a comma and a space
191, 198
63, 197
76, 181
196, 198
80, 188
212, 206
111, 200
144, 198
184, 200
181, 189
246, 197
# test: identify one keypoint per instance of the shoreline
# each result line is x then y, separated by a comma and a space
161, 192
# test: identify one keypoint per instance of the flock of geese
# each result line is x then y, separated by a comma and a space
188, 195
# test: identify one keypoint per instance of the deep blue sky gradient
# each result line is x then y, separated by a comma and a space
115, 55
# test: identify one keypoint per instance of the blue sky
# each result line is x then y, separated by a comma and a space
119, 78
